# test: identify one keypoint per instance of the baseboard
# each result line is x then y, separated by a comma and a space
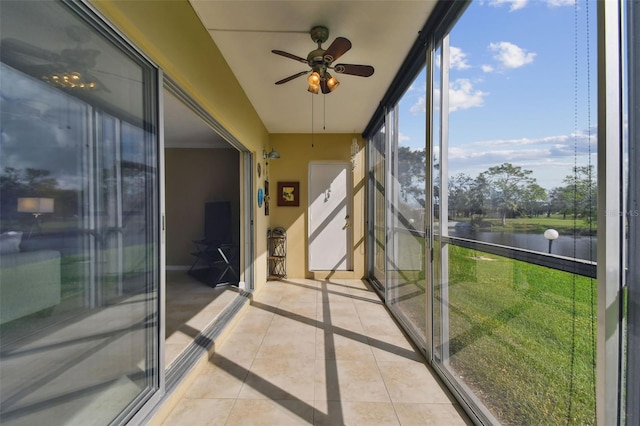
177, 267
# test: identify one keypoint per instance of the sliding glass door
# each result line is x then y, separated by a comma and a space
506, 225
79, 188
406, 192
377, 232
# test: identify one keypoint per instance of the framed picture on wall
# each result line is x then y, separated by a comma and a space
289, 194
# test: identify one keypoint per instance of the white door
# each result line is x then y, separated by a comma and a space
329, 216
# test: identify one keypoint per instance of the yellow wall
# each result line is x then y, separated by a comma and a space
171, 35
296, 153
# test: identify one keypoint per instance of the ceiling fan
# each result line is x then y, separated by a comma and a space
321, 60
68, 69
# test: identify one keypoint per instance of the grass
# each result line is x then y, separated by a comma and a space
521, 336
539, 224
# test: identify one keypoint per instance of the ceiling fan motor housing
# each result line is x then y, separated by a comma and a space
319, 34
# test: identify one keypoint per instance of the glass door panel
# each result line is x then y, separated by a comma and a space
378, 230
79, 277
407, 197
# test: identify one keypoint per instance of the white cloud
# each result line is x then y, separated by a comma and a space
420, 107
513, 4
551, 157
511, 56
560, 3
462, 95
557, 142
487, 68
458, 59
403, 138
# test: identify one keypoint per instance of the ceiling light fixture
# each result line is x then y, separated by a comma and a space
273, 155
332, 82
69, 80
314, 79
321, 60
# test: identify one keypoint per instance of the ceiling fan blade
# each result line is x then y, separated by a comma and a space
291, 77
290, 56
21, 50
359, 70
338, 48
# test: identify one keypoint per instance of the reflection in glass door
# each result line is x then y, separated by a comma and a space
79, 281
406, 186
377, 236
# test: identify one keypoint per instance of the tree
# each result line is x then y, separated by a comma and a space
411, 174
559, 201
39, 182
508, 184
580, 193
534, 198
10, 187
479, 194
460, 195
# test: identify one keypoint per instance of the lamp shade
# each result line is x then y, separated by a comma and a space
332, 83
35, 205
274, 154
314, 79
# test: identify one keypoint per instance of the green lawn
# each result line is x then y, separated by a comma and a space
511, 338
538, 224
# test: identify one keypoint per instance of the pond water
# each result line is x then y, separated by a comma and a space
566, 245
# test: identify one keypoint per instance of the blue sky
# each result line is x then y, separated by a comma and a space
513, 89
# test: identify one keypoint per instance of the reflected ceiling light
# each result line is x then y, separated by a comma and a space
69, 80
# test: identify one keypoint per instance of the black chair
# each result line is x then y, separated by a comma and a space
216, 253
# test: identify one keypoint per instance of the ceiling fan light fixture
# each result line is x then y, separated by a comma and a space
332, 82
314, 88
314, 79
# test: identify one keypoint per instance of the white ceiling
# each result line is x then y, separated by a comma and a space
184, 129
381, 32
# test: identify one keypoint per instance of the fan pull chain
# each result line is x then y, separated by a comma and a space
311, 120
324, 112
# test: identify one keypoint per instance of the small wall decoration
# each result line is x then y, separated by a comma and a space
266, 198
289, 194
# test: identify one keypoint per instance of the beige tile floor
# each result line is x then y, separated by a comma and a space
316, 352
190, 307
